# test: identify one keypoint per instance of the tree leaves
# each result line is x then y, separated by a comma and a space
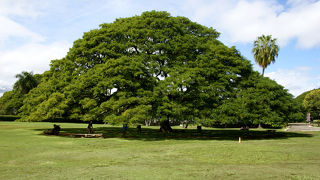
265, 51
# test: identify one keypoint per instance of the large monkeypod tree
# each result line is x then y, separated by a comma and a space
311, 103
152, 67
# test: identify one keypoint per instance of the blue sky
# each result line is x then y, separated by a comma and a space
33, 32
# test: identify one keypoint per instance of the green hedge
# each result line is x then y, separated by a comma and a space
9, 117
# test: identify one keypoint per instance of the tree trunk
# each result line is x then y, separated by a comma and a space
186, 125
260, 127
147, 122
165, 126
263, 71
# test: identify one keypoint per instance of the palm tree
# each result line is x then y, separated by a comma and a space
26, 81
265, 50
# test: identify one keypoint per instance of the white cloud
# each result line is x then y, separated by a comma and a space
296, 80
244, 20
20, 7
10, 28
13, 29
30, 57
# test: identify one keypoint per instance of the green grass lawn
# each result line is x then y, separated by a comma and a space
185, 154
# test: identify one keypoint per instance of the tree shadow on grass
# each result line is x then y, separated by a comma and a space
151, 134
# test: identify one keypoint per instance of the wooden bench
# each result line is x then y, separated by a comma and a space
88, 135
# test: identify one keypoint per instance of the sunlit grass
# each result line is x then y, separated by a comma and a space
185, 154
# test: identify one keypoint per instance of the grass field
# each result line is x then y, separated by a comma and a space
214, 154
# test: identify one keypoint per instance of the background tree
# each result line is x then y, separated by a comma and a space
312, 103
265, 50
11, 101
299, 99
26, 81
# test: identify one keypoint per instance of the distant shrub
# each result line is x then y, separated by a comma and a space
9, 117
317, 122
